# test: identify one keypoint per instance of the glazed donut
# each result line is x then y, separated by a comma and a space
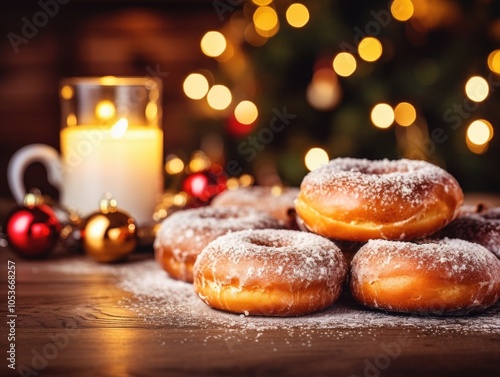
184, 234
482, 228
277, 201
357, 200
270, 273
447, 277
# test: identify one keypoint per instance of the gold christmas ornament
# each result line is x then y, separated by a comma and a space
109, 235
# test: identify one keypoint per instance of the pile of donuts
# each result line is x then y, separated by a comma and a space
392, 233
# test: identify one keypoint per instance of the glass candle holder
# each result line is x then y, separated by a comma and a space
112, 142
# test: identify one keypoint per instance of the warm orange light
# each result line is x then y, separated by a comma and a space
213, 43
315, 158
297, 15
370, 49
382, 115
105, 110
405, 114
246, 112
494, 61
219, 97
195, 86
402, 10
480, 132
477, 89
344, 64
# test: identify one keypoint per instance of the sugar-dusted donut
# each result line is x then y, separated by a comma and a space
482, 227
447, 277
270, 272
357, 200
277, 201
184, 234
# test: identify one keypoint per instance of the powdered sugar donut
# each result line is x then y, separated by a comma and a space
357, 200
276, 201
447, 277
482, 228
270, 272
184, 234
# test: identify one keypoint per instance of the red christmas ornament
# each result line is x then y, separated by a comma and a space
203, 186
237, 128
33, 229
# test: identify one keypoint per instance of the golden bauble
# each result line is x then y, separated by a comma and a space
109, 236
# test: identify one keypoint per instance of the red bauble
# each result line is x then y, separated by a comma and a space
32, 231
237, 128
203, 186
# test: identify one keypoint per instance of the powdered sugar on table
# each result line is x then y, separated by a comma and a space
162, 301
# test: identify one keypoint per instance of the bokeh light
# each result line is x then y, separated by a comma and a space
105, 110
370, 49
382, 115
344, 64
323, 93
71, 120
195, 86
174, 165
405, 114
480, 132
213, 43
297, 15
477, 89
265, 18
262, 2
402, 10
315, 158
219, 97
67, 92
246, 180
494, 61
246, 112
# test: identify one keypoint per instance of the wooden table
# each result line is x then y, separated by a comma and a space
87, 324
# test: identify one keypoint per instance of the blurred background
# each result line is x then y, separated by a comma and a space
265, 91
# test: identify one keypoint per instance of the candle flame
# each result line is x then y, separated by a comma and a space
119, 128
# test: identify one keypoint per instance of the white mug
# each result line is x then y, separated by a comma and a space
111, 142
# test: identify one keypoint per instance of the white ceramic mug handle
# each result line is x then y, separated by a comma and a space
26, 156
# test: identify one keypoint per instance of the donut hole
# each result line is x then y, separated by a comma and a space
269, 242
379, 170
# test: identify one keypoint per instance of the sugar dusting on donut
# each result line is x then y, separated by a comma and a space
448, 276
275, 202
382, 180
294, 256
484, 230
191, 223
452, 257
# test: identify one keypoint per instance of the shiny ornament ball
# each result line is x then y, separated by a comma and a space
109, 237
32, 232
203, 186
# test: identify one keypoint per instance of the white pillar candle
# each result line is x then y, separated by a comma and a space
125, 160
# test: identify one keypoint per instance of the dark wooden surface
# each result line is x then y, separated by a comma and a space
79, 323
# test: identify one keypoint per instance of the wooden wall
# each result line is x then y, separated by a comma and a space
87, 38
